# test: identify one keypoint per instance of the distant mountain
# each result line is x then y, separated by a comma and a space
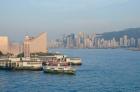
130, 32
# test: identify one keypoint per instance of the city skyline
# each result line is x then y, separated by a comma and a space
20, 40
80, 40
60, 17
94, 40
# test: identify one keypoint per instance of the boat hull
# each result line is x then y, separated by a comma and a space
5, 68
59, 71
28, 68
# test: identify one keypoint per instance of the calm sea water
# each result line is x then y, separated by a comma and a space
103, 70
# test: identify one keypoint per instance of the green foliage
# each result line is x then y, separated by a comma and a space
44, 54
20, 55
9, 54
1, 54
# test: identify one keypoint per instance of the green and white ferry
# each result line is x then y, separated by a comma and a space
58, 68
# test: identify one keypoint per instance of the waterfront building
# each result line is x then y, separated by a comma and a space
113, 43
64, 40
121, 42
80, 40
132, 42
138, 43
58, 43
129, 43
15, 48
109, 44
4, 44
93, 39
96, 43
35, 44
88, 42
70, 41
51, 44
125, 40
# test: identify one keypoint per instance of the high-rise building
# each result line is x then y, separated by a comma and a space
4, 44
35, 44
70, 41
80, 40
88, 42
93, 39
113, 43
64, 39
138, 43
55, 44
125, 40
121, 42
132, 42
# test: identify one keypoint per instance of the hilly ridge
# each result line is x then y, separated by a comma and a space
130, 32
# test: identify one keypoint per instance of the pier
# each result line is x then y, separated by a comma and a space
20, 65
36, 63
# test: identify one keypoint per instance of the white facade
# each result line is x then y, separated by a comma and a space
125, 40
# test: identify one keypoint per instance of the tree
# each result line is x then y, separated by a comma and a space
20, 55
9, 54
1, 54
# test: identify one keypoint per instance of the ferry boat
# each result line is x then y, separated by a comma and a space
74, 60
57, 68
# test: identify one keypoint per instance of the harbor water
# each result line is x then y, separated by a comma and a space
103, 70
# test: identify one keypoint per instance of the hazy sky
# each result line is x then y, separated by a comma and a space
21, 17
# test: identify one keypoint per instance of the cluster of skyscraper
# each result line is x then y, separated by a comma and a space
82, 40
30, 45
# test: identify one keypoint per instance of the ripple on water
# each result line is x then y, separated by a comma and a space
102, 71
